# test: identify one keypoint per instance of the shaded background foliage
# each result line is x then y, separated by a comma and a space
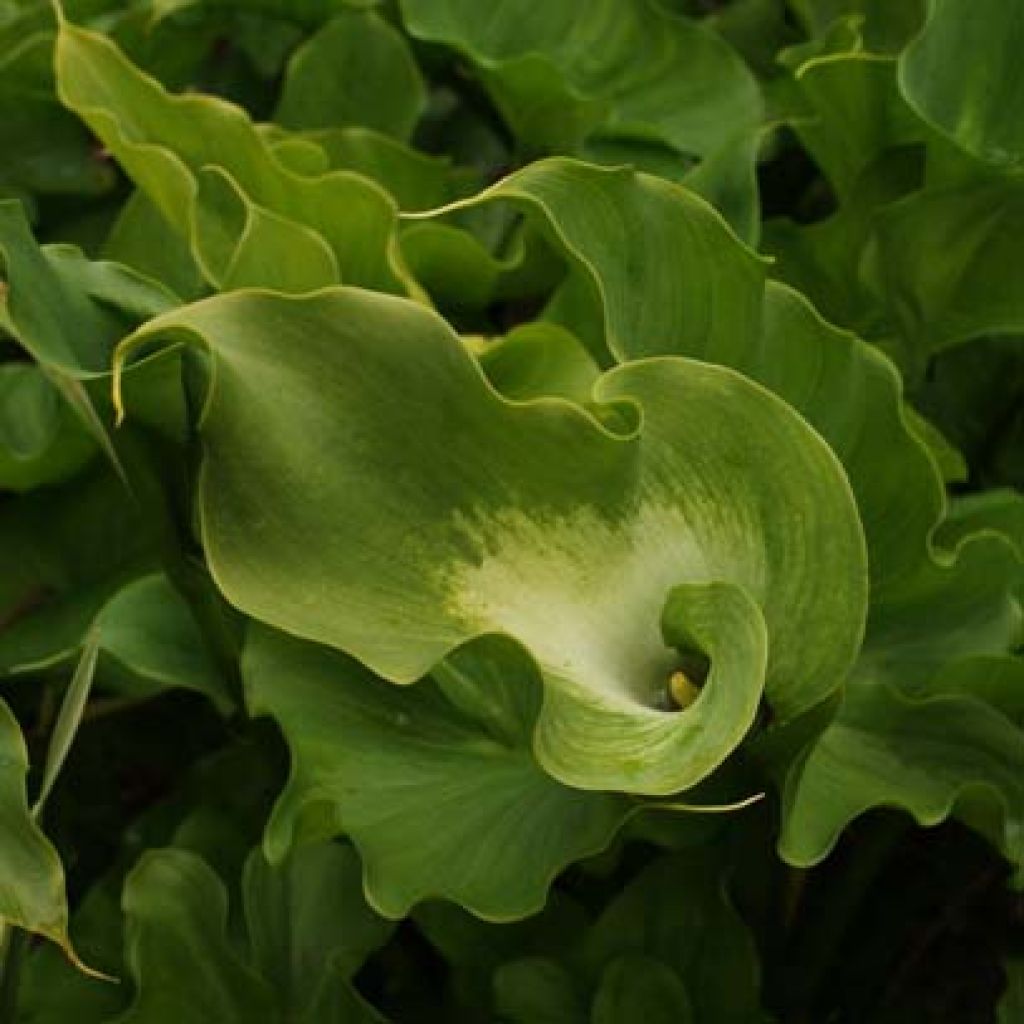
869, 148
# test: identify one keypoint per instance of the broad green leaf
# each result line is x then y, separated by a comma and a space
577, 78
639, 988
961, 75
50, 992
459, 272
308, 931
453, 267
956, 604
945, 261
560, 72
215, 811
703, 494
31, 877
997, 681
951, 464
659, 268
357, 70
850, 394
176, 910
852, 112
932, 757
435, 784
163, 141
309, 919
825, 260
658, 272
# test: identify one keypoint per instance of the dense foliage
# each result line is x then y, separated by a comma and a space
511, 511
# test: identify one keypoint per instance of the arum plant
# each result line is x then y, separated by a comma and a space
533, 499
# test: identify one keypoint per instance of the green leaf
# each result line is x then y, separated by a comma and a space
625, 235
826, 260
69, 718
675, 912
704, 493
163, 141
31, 877
960, 74
850, 112
176, 910
1001, 509
998, 681
932, 757
539, 359
435, 784
615, 78
944, 261
951, 464
41, 440
150, 632
142, 239
559, 72
239, 244
357, 70
415, 180
60, 326
309, 920
639, 988
956, 604
308, 931
885, 26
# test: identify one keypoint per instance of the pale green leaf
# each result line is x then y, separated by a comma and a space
162, 141
704, 494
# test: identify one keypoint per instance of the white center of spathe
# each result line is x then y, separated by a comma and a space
585, 595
